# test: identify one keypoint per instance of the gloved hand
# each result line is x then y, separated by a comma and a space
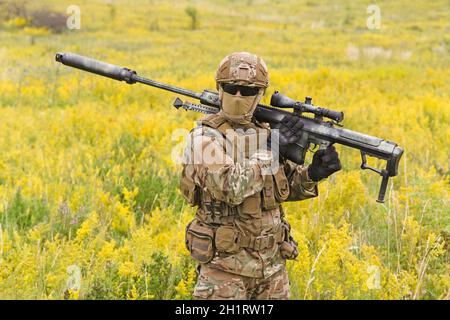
325, 163
289, 131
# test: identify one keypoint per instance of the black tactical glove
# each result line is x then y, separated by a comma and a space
325, 162
289, 129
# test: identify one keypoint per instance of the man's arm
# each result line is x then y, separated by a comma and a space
303, 180
212, 169
300, 185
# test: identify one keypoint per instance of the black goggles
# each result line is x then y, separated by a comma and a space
244, 90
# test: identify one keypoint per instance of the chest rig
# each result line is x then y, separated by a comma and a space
212, 211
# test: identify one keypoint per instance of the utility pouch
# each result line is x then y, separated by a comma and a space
200, 241
226, 239
289, 247
268, 192
252, 205
189, 190
281, 185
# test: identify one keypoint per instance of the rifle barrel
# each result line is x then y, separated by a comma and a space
167, 87
116, 72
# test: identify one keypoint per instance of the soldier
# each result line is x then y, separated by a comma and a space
240, 236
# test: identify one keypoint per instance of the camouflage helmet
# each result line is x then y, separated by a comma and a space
243, 68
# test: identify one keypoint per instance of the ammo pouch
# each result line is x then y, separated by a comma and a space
189, 190
214, 211
275, 190
228, 239
281, 185
199, 240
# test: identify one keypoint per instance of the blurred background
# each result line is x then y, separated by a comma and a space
89, 200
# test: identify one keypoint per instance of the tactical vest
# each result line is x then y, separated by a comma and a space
276, 188
220, 216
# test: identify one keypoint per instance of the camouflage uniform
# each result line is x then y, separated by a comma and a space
217, 284
239, 234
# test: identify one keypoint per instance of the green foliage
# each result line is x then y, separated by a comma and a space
23, 213
191, 11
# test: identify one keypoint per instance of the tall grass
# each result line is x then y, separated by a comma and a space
89, 200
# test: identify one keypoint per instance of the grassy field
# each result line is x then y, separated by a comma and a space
89, 200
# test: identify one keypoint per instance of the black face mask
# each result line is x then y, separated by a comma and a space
244, 90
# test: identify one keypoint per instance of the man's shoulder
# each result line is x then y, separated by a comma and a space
214, 121
211, 125
205, 130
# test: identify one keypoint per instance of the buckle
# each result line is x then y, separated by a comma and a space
270, 241
208, 208
217, 208
233, 211
264, 242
